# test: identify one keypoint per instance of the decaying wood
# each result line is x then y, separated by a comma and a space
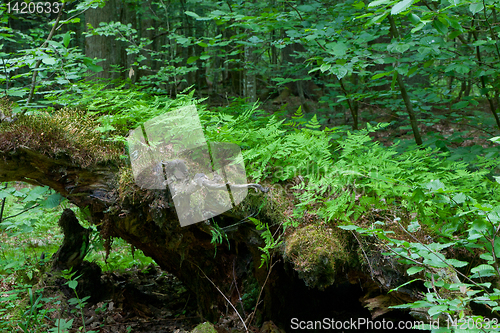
75, 243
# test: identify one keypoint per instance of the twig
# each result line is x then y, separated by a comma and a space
244, 325
236, 286
3, 205
250, 318
362, 249
24, 211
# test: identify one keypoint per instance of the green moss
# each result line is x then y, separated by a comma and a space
206, 327
316, 252
127, 188
271, 206
65, 133
5, 107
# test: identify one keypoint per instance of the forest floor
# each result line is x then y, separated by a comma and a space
150, 300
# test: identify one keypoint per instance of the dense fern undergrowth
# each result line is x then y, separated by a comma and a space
427, 200
342, 177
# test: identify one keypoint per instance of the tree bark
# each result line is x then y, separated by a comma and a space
104, 47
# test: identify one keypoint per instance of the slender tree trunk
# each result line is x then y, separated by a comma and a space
352, 107
486, 94
250, 83
404, 93
250, 78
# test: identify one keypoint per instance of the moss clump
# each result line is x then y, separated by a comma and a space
5, 107
271, 206
67, 132
204, 328
316, 252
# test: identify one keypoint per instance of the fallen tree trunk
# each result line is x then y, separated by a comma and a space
317, 263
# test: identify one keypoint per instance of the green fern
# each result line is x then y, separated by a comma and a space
269, 241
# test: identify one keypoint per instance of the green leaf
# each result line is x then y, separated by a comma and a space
191, 60
339, 71
49, 61
401, 48
90, 65
378, 18
414, 270
338, 49
378, 3
349, 227
435, 185
440, 27
394, 80
437, 309
401, 6
189, 13
73, 284
460, 105
479, 43
457, 263
36, 193
483, 268
66, 39
486, 256
52, 201
306, 8
414, 18
418, 27
324, 67
17, 92
95, 68
496, 139
359, 5
435, 261
379, 75
476, 7
496, 246
462, 69
454, 34
4, 194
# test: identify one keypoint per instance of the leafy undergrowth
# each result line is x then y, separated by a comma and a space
137, 297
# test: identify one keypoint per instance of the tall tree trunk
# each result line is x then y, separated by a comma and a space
104, 47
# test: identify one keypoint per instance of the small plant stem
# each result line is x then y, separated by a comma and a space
227, 300
252, 315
